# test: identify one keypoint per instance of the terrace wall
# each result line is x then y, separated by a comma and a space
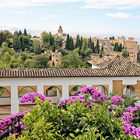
113, 84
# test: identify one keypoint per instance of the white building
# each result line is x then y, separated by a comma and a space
114, 78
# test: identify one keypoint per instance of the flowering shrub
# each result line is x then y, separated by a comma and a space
89, 114
131, 121
30, 97
12, 125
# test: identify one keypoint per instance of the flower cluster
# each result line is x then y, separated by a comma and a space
127, 118
117, 99
94, 93
72, 100
30, 97
12, 125
86, 90
132, 109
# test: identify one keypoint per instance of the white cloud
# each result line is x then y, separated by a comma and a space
122, 15
119, 15
14, 3
111, 4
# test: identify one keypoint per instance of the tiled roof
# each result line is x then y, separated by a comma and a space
118, 67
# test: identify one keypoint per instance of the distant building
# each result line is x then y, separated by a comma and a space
130, 44
55, 59
60, 32
132, 47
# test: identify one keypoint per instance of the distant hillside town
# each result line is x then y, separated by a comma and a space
60, 50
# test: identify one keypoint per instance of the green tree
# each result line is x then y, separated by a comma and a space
97, 48
58, 41
51, 39
67, 42
19, 33
72, 60
36, 47
81, 42
16, 43
25, 32
39, 61
85, 50
125, 53
44, 38
71, 45
5, 36
116, 47
101, 53
6, 58
77, 44
120, 47
4, 48
91, 44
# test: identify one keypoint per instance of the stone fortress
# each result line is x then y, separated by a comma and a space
130, 44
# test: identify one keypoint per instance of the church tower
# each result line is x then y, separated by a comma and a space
60, 31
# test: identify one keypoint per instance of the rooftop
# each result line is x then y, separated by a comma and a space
118, 67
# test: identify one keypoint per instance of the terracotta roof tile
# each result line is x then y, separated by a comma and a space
118, 67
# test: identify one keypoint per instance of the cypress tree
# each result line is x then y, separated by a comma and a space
81, 43
91, 44
77, 45
97, 48
71, 44
25, 32
67, 42
19, 33
101, 53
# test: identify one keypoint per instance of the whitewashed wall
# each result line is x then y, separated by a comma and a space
65, 82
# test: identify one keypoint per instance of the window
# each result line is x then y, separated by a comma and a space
52, 92
4, 92
25, 90
75, 88
129, 90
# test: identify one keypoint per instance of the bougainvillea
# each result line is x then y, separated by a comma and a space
89, 98
130, 119
30, 97
12, 125
117, 99
93, 94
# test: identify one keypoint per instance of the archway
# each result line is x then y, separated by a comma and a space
4, 92
25, 90
74, 88
102, 88
53, 93
129, 90
22, 90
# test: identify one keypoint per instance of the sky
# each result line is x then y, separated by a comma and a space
96, 17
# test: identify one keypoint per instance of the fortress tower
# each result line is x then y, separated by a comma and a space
60, 31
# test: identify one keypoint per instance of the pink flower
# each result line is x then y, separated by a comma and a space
30, 97
117, 99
